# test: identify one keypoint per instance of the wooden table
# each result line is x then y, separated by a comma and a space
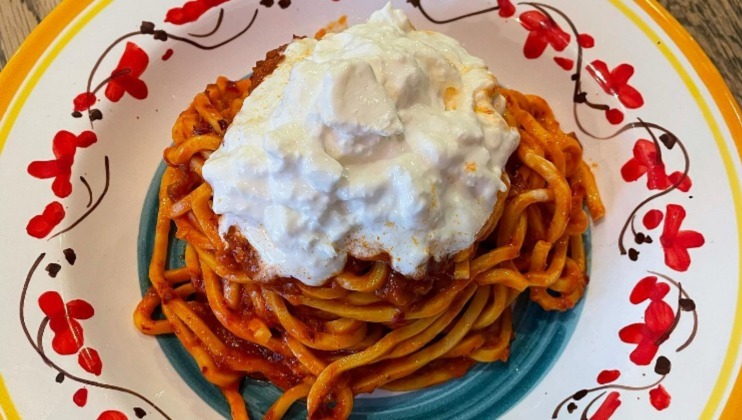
716, 24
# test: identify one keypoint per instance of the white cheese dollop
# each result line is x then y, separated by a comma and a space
378, 139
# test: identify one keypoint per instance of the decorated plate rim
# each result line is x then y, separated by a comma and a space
40, 49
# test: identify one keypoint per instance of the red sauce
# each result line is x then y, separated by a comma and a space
282, 369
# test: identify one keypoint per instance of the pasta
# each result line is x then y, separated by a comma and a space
368, 327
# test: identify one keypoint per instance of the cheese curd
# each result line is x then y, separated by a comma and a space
378, 139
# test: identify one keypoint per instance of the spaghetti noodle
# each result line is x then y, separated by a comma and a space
368, 327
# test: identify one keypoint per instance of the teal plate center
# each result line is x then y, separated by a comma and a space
486, 391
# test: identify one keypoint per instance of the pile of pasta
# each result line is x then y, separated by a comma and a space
368, 327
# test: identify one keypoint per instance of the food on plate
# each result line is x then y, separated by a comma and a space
361, 213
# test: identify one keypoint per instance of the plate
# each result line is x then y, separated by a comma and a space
657, 334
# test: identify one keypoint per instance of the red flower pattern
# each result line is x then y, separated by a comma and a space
648, 289
125, 77
585, 40
608, 376
646, 161
80, 398
68, 333
507, 9
675, 242
41, 225
608, 407
64, 146
658, 318
652, 219
565, 63
614, 116
616, 82
659, 398
89, 359
191, 11
112, 415
543, 31
84, 101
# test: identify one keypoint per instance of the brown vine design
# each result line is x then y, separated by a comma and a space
61, 323
505, 8
664, 140
38, 346
91, 208
662, 365
149, 28
544, 30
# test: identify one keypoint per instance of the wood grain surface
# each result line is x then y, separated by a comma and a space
716, 25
